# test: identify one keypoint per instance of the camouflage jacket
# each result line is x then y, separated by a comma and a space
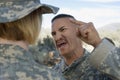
80, 70
84, 68
106, 58
18, 64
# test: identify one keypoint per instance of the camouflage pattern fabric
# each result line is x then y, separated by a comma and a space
40, 56
80, 70
18, 64
106, 58
11, 10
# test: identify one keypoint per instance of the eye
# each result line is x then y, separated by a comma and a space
53, 33
62, 29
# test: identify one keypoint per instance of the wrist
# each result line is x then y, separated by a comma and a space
100, 40
97, 42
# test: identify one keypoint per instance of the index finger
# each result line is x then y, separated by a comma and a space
77, 22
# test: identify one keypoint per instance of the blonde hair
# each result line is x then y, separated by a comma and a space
25, 29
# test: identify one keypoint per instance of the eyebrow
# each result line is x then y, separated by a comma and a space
53, 32
61, 28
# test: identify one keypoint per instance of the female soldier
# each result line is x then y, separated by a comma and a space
20, 22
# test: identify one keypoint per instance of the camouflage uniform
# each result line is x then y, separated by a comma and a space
81, 69
40, 56
18, 64
106, 58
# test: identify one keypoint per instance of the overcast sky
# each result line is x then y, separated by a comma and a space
100, 12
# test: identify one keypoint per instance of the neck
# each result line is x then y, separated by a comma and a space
22, 44
74, 56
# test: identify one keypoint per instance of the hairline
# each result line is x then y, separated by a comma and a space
62, 16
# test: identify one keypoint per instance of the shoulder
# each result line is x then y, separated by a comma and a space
49, 73
61, 64
17, 63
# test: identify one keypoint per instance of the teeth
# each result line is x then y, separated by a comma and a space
59, 45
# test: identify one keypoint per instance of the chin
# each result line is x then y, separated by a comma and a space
64, 53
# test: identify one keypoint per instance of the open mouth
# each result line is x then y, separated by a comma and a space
61, 44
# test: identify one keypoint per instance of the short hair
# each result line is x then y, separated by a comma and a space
62, 16
25, 29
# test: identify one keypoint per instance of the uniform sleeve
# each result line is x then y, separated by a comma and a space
106, 58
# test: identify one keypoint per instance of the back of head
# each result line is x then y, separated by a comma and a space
21, 19
25, 29
62, 16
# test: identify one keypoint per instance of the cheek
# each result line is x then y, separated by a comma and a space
72, 35
72, 39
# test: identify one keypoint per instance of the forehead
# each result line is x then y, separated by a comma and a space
61, 22
62, 19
